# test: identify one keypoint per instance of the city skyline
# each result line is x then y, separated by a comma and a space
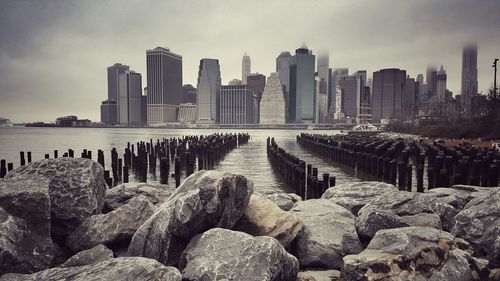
56, 65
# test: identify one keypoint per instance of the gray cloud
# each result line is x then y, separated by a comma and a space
54, 54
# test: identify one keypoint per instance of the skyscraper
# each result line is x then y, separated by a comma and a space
208, 91
283, 69
236, 105
272, 105
130, 97
351, 88
246, 68
337, 74
441, 84
430, 79
409, 100
164, 78
323, 73
387, 92
109, 107
256, 83
469, 76
302, 94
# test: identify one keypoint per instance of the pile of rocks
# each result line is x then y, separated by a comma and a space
58, 221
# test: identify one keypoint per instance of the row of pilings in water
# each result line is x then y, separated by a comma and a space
393, 160
294, 171
185, 154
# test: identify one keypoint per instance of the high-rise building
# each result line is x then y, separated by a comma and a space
236, 105
246, 68
469, 77
351, 88
441, 84
164, 78
208, 91
108, 112
272, 105
323, 73
256, 83
430, 79
113, 72
337, 74
302, 100
130, 97
409, 99
188, 94
283, 69
387, 92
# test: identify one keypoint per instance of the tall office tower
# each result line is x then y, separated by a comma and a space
130, 97
469, 77
302, 95
246, 68
409, 100
208, 91
236, 105
164, 77
351, 88
272, 105
337, 74
430, 79
256, 83
283, 69
421, 86
365, 107
441, 84
109, 107
188, 94
387, 91
108, 112
323, 73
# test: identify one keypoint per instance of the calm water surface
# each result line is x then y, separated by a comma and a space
249, 160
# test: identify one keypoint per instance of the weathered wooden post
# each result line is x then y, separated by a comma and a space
164, 170
23, 161
177, 171
29, 156
3, 168
125, 174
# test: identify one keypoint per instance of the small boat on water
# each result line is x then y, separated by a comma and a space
365, 129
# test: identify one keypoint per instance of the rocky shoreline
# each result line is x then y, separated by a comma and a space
59, 221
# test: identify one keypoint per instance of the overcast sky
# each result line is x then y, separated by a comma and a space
54, 54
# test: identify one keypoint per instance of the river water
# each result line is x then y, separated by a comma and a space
249, 160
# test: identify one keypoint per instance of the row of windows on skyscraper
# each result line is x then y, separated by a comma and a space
295, 93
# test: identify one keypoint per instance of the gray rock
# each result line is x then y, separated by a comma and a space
221, 254
126, 269
94, 255
206, 199
285, 201
21, 249
479, 223
386, 211
319, 275
76, 188
452, 196
114, 229
424, 219
121, 194
264, 218
25, 242
412, 253
328, 234
353, 196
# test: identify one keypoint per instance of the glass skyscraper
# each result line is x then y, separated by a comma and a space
208, 91
302, 93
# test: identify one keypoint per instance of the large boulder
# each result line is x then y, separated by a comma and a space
76, 189
114, 229
479, 223
319, 275
221, 254
21, 249
126, 268
25, 242
121, 194
94, 255
285, 201
387, 211
354, 195
328, 234
206, 199
413, 253
264, 218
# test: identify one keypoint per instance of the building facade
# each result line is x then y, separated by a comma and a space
272, 105
188, 94
387, 92
108, 112
164, 78
441, 84
283, 69
256, 83
187, 113
246, 68
351, 88
130, 98
337, 74
236, 105
302, 98
469, 77
208, 91
109, 107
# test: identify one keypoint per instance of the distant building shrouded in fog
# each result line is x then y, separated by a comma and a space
246, 68
164, 78
272, 104
441, 84
469, 77
130, 98
208, 91
236, 105
387, 93
302, 90
337, 74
